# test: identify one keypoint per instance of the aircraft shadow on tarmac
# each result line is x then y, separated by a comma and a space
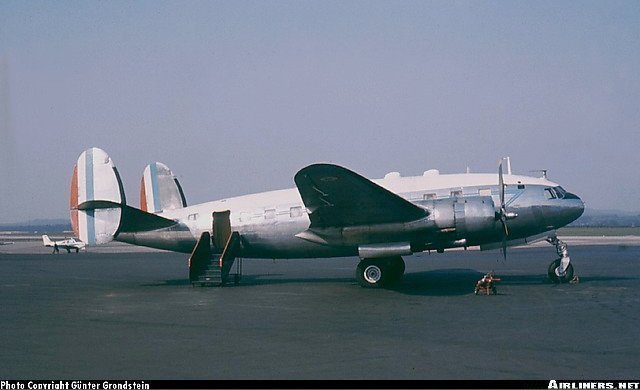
436, 283
259, 280
462, 281
442, 282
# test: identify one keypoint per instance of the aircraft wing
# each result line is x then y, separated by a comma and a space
336, 197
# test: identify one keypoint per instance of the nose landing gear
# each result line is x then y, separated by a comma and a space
561, 269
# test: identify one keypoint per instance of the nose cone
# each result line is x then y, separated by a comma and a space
574, 207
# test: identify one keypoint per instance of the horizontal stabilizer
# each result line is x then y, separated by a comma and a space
136, 220
133, 219
160, 189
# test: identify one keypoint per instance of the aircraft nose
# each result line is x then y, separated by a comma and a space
575, 207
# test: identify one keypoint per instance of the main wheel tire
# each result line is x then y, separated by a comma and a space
551, 272
371, 274
380, 272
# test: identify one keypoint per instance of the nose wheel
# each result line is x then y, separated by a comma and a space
561, 269
552, 272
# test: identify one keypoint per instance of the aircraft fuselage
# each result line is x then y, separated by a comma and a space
462, 211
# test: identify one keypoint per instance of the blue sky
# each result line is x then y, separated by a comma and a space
237, 96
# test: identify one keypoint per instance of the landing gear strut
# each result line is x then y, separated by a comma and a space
561, 269
385, 271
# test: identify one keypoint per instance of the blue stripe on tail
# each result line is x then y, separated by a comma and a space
91, 227
91, 222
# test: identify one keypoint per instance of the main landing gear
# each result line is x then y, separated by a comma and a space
561, 269
385, 271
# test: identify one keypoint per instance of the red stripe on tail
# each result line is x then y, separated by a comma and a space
73, 202
143, 196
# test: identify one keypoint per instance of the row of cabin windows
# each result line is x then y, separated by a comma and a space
294, 212
459, 193
456, 194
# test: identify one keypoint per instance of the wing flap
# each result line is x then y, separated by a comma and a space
337, 197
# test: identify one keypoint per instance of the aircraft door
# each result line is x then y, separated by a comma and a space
221, 229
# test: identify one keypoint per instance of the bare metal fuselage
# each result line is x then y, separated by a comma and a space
276, 224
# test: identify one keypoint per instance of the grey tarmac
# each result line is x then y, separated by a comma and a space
133, 314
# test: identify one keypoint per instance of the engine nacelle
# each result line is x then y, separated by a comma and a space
465, 216
459, 219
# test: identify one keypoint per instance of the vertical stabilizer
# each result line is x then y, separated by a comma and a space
95, 179
160, 189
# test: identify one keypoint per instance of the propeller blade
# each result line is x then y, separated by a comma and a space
503, 219
503, 211
501, 184
504, 246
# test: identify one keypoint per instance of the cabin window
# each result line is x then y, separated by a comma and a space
428, 196
550, 193
521, 186
295, 212
456, 193
270, 214
192, 217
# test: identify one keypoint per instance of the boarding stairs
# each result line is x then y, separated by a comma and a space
213, 257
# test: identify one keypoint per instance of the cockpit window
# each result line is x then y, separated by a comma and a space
560, 192
550, 193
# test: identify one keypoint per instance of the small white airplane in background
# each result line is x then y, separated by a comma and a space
333, 212
68, 244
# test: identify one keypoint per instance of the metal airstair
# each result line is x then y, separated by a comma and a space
213, 258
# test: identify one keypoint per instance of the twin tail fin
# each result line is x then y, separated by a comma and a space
98, 204
160, 190
95, 178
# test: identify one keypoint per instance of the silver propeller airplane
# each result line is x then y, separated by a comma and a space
333, 212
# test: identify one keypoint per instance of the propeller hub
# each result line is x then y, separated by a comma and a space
510, 215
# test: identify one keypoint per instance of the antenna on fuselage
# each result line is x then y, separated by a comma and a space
508, 165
